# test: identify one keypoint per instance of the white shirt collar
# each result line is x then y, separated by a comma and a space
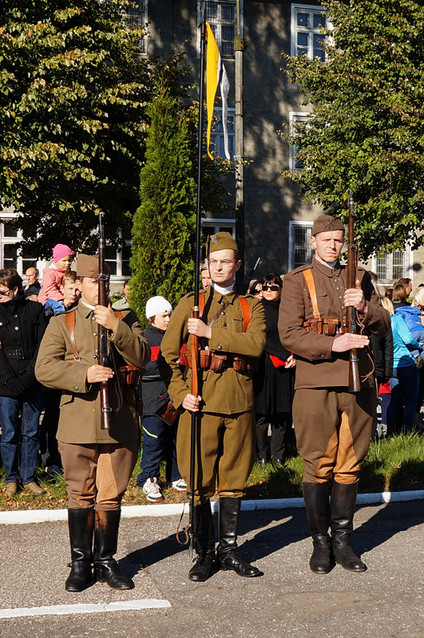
223, 291
87, 305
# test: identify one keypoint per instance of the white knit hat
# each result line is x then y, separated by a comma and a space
155, 305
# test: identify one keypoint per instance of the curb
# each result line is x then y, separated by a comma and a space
134, 511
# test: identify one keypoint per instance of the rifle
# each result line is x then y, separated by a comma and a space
351, 323
103, 279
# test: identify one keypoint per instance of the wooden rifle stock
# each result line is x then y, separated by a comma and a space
351, 323
102, 332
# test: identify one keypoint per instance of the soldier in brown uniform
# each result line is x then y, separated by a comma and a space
97, 463
227, 426
333, 426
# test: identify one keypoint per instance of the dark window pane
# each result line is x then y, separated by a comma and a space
9, 230
302, 39
10, 255
211, 8
319, 20
319, 53
303, 20
227, 12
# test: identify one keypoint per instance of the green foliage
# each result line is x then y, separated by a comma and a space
367, 126
164, 226
73, 92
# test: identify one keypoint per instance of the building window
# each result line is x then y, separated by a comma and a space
217, 135
119, 260
294, 163
389, 268
300, 249
307, 22
136, 16
222, 17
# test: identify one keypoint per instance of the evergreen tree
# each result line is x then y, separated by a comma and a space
73, 91
366, 131
164, 226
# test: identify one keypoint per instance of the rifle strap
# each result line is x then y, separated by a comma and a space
310, 282
245, 310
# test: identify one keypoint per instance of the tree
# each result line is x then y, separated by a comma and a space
366, 129
73, 91
164, 226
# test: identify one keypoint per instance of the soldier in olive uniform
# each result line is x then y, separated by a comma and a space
97, 463
227, 426
333, 426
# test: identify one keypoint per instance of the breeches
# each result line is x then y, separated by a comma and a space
97, 475
333, 432
225, 453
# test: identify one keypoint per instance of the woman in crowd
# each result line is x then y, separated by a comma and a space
22, 325
273, 380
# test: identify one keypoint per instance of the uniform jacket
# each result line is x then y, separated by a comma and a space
22, 325
80, 403
153, 391
317, 366
227, 392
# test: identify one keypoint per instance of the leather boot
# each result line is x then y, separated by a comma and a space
205, 563
227, 556
105, 545
317, 507
343, 501
81, 527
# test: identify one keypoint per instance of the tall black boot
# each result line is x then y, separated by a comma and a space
81, 527
343, 501
228, 558
105, 545
317, 507
205, 562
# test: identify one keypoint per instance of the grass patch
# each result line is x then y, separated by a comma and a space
392, 464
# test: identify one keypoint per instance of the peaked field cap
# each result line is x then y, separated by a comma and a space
327, 222
157, 304
88, 266
221, 241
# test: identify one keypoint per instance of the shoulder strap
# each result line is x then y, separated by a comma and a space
118, 314
310, 282
70, 318
201, 303
245, 311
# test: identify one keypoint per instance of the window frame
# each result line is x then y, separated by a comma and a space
219, 135
294, 28
407, 269
217, 26
142, 18
293, 224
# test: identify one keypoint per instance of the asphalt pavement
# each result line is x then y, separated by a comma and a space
384, 602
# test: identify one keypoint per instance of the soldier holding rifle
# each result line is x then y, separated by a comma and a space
98, 457
231, 332
333, 421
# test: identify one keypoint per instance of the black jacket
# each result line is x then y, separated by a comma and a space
153, 390
22, 325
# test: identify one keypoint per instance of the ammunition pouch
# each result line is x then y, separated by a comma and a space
170, 413
219, 362
130, 375
329, 326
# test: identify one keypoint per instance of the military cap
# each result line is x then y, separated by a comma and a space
88, 266
327, 222
221, 241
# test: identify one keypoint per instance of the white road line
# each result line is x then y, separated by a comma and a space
99, 608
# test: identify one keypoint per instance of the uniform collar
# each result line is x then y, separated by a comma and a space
326, 269
85, 309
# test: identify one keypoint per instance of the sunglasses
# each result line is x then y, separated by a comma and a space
274, 287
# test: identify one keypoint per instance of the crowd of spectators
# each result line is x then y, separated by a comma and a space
398, 359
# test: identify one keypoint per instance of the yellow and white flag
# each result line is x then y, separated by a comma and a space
215, 70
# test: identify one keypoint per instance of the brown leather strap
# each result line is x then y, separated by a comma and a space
310, 282
70, 318
245, 311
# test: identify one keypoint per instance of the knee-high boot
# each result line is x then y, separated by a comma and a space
81, 527
228, 558
343, 501
105, 546
204, 564
317, 507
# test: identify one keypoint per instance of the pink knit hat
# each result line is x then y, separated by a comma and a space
61, 250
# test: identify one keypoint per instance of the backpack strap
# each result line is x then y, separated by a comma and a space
310, 282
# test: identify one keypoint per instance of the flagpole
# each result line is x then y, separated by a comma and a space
239, 136
195, 416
